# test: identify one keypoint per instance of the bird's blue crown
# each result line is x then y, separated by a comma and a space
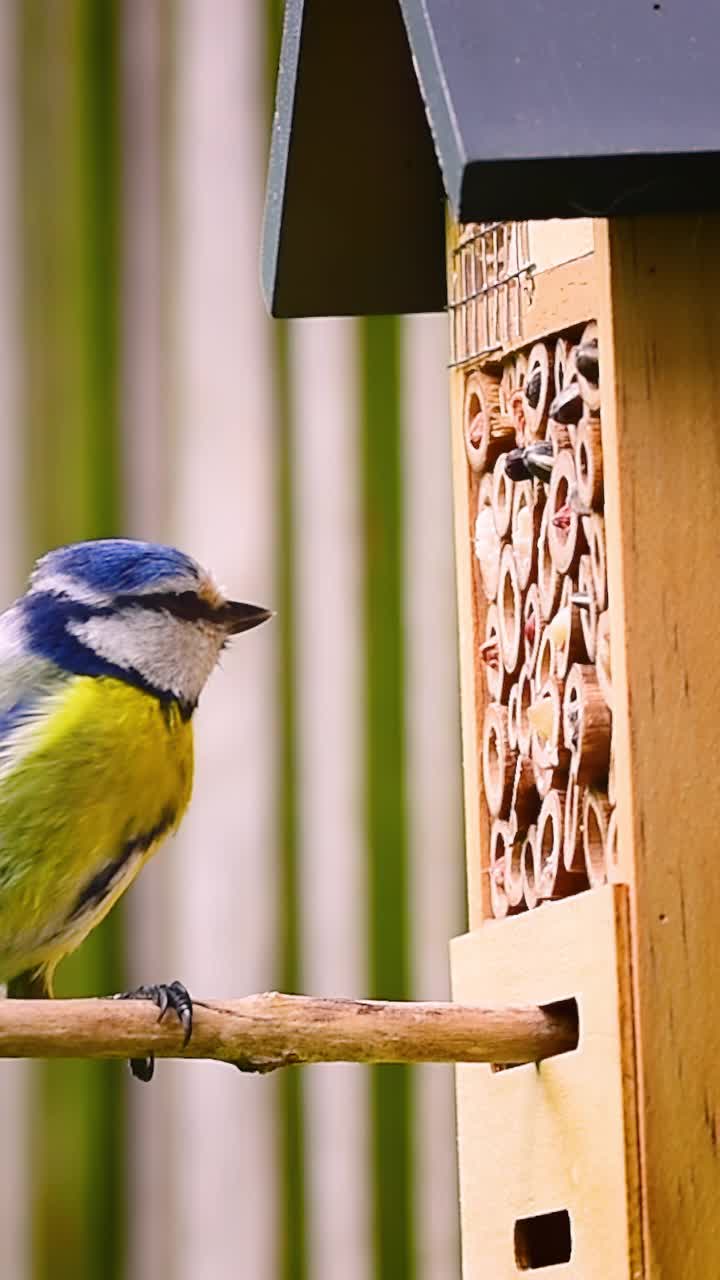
116, 566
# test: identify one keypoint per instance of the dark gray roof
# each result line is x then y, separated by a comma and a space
537, 108
354, 219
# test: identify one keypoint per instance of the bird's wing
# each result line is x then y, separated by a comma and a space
27, 682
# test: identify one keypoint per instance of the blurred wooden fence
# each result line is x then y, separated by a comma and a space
144, 390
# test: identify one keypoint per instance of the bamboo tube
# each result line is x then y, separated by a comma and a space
541, 719
496, 677
525, 805
512, 726
498, 760
527, 511
589, 462
602, 657
517, 416
545, 666
547, 747
565, 533
502, 497
548, 579
486, 541
525, 699
586, 724
513, 869
487, 434
554, 881
559, 436
528, 858
589, 612
548, 843
585, 356
499, 838
594, 530
510, 613
537, 391
563, 364
573, 852
532, 627
567, 632
596, 813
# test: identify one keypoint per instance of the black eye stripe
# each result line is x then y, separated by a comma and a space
181, 604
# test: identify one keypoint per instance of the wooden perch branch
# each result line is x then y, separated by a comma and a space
263, 1032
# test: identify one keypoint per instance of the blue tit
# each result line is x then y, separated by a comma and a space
102, 663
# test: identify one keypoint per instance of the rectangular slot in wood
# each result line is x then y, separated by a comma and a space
543, 1240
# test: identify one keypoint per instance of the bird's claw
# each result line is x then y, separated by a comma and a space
170, 995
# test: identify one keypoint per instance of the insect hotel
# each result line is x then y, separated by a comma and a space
512, 169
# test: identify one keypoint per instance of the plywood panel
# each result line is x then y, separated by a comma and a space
560, 298
533, 1140
660, 336
558, 240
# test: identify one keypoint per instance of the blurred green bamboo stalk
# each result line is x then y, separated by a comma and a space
385, 785
69, 188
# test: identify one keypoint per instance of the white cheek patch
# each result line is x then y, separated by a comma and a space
171, 654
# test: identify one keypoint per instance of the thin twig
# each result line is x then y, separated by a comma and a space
263, 1032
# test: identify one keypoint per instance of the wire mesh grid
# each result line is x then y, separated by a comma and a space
490, 284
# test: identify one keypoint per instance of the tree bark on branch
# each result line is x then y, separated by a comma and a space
263, 1032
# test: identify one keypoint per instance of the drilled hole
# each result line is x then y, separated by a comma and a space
583, 460
546, 659
531, 629
543, 1241
493, 760
524, 704
509, 606
530, 887
497, 850
475, 420
561, 500
572, 727
567, 1008
516, 862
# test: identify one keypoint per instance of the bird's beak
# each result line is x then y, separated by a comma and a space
243, 617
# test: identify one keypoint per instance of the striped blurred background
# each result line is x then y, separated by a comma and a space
144, 391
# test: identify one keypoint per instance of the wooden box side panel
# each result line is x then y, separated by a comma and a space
659, 323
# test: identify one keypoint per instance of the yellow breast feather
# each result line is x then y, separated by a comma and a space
104, 777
